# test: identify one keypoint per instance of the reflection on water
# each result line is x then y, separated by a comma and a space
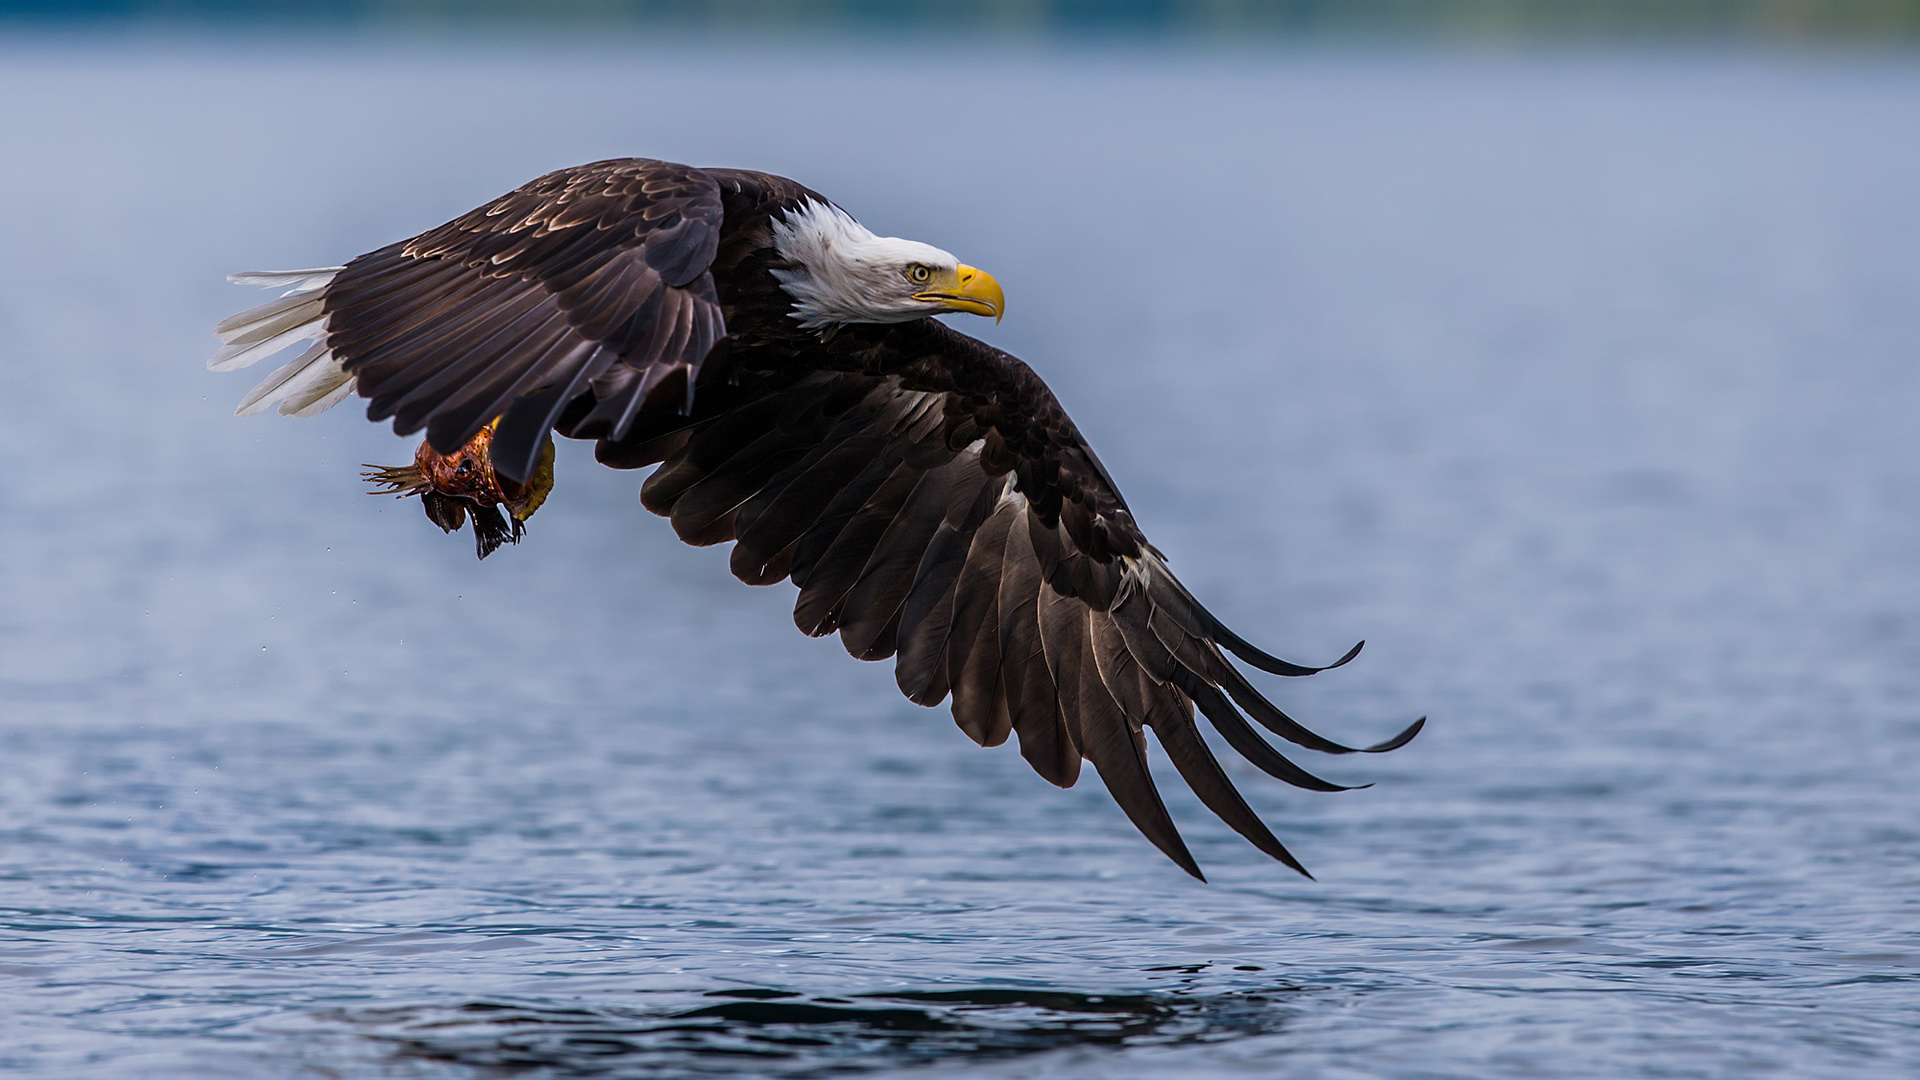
780, 1033
1581, 387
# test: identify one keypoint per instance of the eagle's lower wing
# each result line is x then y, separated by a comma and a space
937, 506
593, 278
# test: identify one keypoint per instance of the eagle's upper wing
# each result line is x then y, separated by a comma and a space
933, 503
590, 277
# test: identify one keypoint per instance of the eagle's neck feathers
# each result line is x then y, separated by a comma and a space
839, 272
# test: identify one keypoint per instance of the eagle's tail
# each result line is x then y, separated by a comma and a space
313, 382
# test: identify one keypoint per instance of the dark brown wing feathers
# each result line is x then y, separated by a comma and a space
925, 492
878, 489
589, 277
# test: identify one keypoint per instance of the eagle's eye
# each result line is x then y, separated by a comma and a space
919, 273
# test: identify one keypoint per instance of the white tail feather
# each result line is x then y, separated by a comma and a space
230, 329
321, 372
239, 356
322, 403
259, 325
313, 382
297, 280
275, 385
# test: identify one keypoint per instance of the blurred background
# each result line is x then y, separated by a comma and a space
1562, 349
1014, 19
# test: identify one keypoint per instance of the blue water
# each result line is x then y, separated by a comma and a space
1582, 386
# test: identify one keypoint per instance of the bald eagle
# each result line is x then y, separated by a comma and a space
924, 491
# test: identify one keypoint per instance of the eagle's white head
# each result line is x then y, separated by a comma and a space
839, 272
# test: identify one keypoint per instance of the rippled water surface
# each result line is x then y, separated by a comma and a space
1582, 387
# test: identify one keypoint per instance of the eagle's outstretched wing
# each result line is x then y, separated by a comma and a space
933, 503
590, 277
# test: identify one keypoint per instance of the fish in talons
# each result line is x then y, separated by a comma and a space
453, 487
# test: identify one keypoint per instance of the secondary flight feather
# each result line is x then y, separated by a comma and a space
781, 366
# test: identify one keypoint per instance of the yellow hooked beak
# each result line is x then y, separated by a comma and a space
970, 290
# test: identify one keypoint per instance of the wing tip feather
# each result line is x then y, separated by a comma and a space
1399, 740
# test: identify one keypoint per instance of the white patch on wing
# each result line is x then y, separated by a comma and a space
840, 272
313, 382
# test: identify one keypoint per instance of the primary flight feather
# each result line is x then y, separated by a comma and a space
780, 364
